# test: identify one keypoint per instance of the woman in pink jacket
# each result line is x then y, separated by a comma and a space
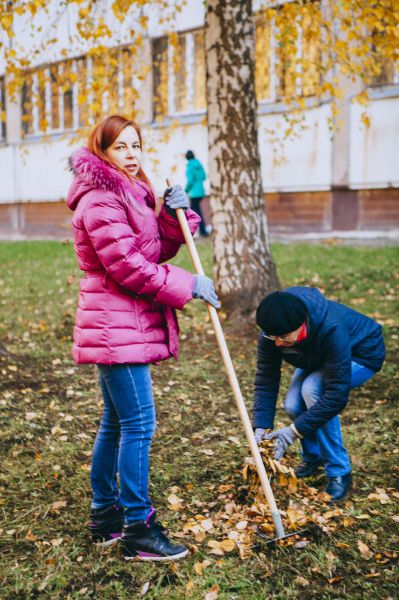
125, 321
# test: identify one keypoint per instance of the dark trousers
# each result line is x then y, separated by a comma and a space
196, 206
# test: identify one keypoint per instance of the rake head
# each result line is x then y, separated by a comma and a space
274, 540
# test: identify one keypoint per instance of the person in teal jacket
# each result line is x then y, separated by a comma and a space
195, 190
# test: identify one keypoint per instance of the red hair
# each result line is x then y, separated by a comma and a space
105, 133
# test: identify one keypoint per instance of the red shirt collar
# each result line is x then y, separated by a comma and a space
303, 333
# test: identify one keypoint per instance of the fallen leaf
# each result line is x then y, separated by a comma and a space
364, 550
57, 505
56, 542
29, 416
234, 440
31, 537
224, 487
198, 568
381, 496
241, 525
173, 499
207, 524
302, 581
213, 592
145, 588
208, 452
336, 579
228, 545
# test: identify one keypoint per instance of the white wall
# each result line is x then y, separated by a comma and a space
42, 174
374, 151
37, 171
7, 174
303, 162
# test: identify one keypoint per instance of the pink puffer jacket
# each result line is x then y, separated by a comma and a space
127, 298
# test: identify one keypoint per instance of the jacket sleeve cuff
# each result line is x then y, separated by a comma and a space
295, 430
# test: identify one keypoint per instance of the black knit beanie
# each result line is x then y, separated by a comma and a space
280, 313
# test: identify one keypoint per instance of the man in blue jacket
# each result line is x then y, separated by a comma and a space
334, 349
195, 190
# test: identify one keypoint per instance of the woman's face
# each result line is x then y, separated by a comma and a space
125, 151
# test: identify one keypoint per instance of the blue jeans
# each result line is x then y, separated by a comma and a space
327, 445
123, 440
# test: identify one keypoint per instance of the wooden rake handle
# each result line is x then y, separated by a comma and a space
233, 380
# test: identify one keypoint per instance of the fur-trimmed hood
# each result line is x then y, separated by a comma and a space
92, 173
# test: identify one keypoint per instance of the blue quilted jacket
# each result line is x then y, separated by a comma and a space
337, 335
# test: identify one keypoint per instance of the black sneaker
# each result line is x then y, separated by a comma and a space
338, 487
145, 540
106, 524
306, 469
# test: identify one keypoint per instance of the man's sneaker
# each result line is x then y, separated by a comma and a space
145, 540
306, 469
338, 487
106, 524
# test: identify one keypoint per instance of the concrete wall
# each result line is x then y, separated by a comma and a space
374, 155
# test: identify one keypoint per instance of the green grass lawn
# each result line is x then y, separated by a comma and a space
49, 411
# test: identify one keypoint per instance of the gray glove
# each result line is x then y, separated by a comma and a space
205, 289
283, 437
259, 433
176, 197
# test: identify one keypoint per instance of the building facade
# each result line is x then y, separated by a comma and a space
313, 181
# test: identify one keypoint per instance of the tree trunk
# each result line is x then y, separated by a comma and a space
244, 268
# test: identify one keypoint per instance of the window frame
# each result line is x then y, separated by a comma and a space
189, 79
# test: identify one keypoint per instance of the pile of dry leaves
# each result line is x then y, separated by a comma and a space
237, 526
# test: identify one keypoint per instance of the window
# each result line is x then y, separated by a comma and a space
287, 53
2, 109
67, 94
310, 49
199, 71
160, 77
82, 96
72, 93
27, 105
54, 98
41, 99
179, 74
385, 68
263, 56
127, 91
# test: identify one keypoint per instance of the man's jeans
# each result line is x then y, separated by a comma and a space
327, 445
123, 440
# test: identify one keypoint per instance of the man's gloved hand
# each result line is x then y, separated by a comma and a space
205, 289
283, 437
259, 433
175, 197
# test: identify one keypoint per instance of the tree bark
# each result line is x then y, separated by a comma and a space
244, 268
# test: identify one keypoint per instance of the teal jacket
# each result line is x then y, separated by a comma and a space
195, 176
